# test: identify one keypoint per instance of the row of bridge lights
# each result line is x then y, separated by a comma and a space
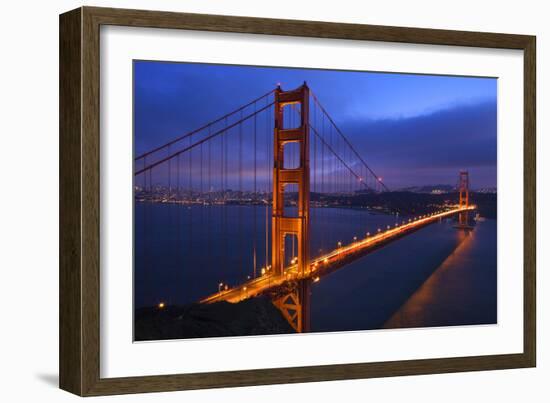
294, 260
388, 227
264, 270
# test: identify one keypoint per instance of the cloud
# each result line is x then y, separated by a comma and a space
174, 98
459, 137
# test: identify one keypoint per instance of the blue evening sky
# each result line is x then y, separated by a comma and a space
412, 129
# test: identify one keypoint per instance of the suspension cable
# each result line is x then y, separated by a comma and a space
209, 124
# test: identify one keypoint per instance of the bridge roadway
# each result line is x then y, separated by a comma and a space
331, 261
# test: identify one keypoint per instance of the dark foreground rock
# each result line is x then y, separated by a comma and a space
255, 316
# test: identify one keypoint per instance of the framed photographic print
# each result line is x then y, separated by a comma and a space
249, 201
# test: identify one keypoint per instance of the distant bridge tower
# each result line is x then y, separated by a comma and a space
295, 305
463, 198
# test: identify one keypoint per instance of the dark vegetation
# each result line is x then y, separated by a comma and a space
407, 203
254, 316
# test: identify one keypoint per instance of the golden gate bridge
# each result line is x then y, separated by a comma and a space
283, 156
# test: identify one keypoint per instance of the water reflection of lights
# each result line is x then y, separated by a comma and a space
419, 310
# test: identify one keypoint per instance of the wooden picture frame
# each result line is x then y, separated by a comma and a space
79, 201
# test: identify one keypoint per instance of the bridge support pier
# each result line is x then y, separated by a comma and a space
463, 219
295, 306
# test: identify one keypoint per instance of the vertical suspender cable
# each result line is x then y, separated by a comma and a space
241, 266
255, 196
